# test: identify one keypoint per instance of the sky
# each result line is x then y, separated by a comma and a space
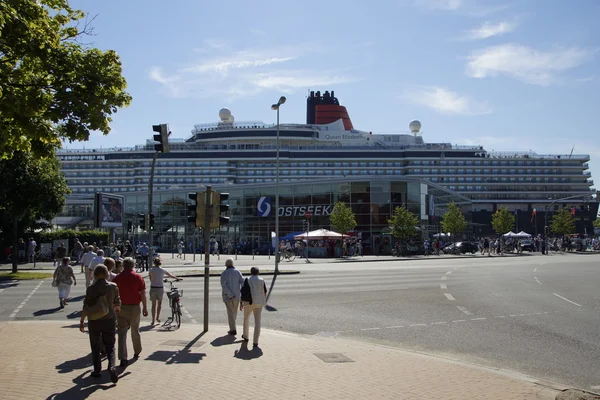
514, 75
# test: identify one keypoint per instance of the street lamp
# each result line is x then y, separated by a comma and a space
276, 108
546, 214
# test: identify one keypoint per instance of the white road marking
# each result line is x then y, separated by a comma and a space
501, 316
478, 319
418, 325
187, 313
14, 313
464, 310
565, 299
537, 280
595, 387
535, 270
2, 290
395, 326
460, 320
370, 329
512, 315
443, 286
444, 278
438, 323
449, 296
448, 273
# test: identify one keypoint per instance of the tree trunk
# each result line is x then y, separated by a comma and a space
15, 257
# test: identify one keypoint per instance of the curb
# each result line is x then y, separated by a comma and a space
217, 274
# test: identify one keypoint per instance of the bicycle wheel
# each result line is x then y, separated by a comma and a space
177, 313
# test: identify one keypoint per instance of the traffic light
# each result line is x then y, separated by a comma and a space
162, 138
142, 221
129, 226
220, 208
151, 221
196, 211
305, 226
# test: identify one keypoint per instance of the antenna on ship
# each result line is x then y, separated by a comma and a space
572, 148
415, 127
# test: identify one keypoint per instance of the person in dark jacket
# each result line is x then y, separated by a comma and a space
102, 320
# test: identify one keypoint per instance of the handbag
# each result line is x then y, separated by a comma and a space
99, 309
246, 294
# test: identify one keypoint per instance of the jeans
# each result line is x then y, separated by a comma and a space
102, 330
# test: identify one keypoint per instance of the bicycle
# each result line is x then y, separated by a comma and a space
288, 255
174, 295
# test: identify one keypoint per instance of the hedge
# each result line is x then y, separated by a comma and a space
89, 236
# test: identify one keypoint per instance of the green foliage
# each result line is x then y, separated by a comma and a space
89, 236
503, 221
563, 222
52, 87
597, 223
403, 224
32, 189
454, 221
342, 218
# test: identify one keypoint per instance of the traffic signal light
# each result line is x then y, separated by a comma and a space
305, 226
196, 209
142, 221
151, 221
129, 226
162, 138
220, 208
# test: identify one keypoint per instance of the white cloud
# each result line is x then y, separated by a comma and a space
524, 63
488, 30
447, 102
245, 73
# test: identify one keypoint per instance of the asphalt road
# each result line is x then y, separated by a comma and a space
535, 315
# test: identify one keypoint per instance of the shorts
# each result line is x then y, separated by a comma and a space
157, 293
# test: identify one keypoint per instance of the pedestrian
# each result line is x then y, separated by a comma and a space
61, 252
110, 265
132, 290
118, 266
63, 279
179, 249
258, 290
157, 291
77, 250
101, 305
231, 283
31, 246
98, 259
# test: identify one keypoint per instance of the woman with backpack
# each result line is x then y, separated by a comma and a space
63, 279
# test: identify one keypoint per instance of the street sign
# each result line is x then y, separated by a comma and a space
308, 214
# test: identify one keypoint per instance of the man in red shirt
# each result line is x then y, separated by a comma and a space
132, 290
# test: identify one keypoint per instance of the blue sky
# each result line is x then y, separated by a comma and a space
509, 75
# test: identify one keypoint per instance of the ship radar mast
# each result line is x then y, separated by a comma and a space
415, 127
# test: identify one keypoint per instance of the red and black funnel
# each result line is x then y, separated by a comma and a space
326, 109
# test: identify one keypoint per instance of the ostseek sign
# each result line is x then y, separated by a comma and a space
300, 211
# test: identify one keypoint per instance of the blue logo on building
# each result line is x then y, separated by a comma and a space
264, 206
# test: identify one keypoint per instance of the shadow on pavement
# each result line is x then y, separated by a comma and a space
78, 363
85, 386
7, 283
246, 354
74, 299
46, 312
147, 328
74, 314
76, 326
184, 356
223, 341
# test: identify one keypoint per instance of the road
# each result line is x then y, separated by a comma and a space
533, 314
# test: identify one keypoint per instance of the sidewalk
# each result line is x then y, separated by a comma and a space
185, 365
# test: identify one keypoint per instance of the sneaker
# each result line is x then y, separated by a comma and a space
114, 378
254, 344
136, 356
233, 333
124, 364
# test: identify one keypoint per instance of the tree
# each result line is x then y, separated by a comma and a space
52, 87
503, 221
563, 222
597, 223
403, 224
454, 221
32, 189
342, 218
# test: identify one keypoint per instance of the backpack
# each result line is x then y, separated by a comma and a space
246, 294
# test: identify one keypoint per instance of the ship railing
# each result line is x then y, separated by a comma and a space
503, 154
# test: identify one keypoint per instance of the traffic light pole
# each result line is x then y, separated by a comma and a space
208, 210
150, 188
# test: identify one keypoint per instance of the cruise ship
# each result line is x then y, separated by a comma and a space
232, 154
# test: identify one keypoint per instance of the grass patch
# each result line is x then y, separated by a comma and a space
7, 276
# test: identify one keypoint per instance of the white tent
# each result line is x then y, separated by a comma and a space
523, 234
511, 235
320, 234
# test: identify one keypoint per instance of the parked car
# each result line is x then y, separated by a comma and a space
527, 245
461, 248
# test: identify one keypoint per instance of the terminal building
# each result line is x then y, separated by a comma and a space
320, 162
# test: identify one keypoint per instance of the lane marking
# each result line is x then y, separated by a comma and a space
449, 296
418, 325
370, 329
512, 315
443, 286
395, 326
478, 319
464, 310
444, 277
20, 306
448, 273
535, 269
537, 280
565, 299
595, 387
438, 323
187, 313
460, 320
501, 316
2, 290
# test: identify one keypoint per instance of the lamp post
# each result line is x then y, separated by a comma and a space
276, 108
546, 215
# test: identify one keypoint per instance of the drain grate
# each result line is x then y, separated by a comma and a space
333, 358
182, 343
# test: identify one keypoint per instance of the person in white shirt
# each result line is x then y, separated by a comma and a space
85, 264
258, 289
98, 259
157, 291
179, 249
